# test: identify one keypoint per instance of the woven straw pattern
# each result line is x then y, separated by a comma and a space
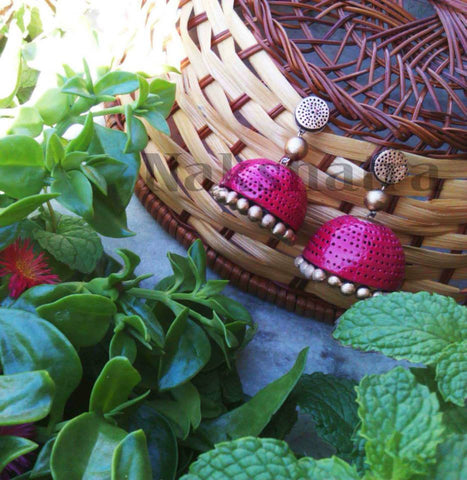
235, 100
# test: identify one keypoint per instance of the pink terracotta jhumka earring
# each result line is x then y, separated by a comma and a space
358, 256
269, 192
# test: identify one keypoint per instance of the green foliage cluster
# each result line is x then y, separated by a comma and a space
406, 424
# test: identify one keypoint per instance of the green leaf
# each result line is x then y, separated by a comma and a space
401, 423
27, 122
25, 397
213, 287
188, 399
83, 318
137, 138
95, 177
412, 326
83, 140
73, 160
122, 345
451, 462
455, 419
451, 373
114, 385
21, 166
109, 168
198, 254
187, 350
55, 153
53, 106
331, 403
166, 92
42, 465
12, 448
116, 83
11, 66
252, 417
75, 191
161, 441
8, 235
131, 459
23, 207
74, 243
29, 343
328, 469
143, 91
265, 459
77, 86
84, 448
156, 120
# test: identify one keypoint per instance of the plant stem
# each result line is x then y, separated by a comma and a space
53, 218
108, 111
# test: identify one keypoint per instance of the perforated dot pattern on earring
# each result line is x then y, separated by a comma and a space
272, 186
359, 251
390, 166
312, 114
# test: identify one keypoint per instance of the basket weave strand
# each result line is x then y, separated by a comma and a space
245, 71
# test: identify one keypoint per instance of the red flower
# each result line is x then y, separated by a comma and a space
23, 463
26, 269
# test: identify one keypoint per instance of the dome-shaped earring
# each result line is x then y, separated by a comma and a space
360, 257
270, 192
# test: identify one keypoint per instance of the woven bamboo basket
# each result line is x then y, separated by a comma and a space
391, 80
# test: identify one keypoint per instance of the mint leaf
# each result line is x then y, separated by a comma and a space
455, 418
330, 402
328, 469
451, 373
401, 423
412, 326
264, 458
75, 243
452, 459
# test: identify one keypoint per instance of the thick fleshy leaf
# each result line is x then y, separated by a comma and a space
114, 385
73, 243
137, 138
42, 465
161, 441
22, 169
83, 318
54, 153
402, 325
25, 397
82, 141
166, 93
53, 105
75, 191
331, 402
23, 207
131, 459
252, 417
401, 423
84, 448
122, 345
451, 373
29, 343
116, 83
12, 448
187, 350
27, 122
156, 120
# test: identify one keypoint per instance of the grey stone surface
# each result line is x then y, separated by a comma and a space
281, 334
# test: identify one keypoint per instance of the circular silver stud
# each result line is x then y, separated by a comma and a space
268, 221
221, 195
348, 288
319, 275
312, 114
377, 293
296, 148
289, 236
334, 281
362, 293
279, 230
255, 213
307, 270
232, 198
243, 205
298, 261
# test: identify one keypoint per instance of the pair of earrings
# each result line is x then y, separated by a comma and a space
357, 256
